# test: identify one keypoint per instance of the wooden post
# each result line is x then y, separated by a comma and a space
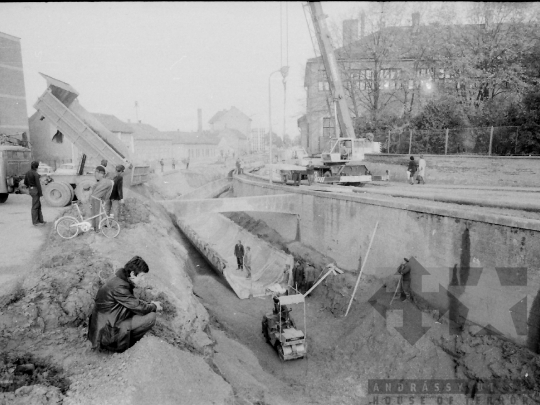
410, 141
388, 142
490, 140
446, 143
362, 268
517, 135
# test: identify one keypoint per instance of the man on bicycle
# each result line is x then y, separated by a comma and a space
101, 190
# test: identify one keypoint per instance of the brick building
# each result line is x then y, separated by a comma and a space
231, 119
13, 115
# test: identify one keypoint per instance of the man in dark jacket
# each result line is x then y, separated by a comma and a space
119, 319
298, 276
31, 179
239, 253
117, 194
405, 271
412, 168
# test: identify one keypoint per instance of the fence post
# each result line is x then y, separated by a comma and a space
490, 140
517, 135
388, 142
410, 140
446, 143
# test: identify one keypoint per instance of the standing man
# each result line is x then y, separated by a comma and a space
101, 191
309, 276
238, 166
405, 271
187, 163
162, 164
173, 163
239, 253
310, 173
241, 166
104, 164
421, 170
411, 168
247, 261
119, 319
298, 276
31, 179
117, 194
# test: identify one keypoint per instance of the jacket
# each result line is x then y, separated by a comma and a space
412, 167
247, 259
117, 190
239, 250
115, 304
405, 271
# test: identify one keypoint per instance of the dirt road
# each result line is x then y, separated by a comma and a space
19, 239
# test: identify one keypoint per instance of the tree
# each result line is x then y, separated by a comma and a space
287, 142
276, 140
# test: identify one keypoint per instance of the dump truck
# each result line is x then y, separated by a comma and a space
59, 105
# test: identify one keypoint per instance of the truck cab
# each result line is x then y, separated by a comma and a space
14, 163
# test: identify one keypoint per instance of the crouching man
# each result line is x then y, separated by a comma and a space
119, 319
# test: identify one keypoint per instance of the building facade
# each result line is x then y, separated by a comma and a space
13, 115
257, 140
231, 119
195, 146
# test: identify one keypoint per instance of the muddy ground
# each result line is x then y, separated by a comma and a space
207, 346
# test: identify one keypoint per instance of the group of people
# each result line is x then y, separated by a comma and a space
304, 276
106, 190
416, 171
239, 166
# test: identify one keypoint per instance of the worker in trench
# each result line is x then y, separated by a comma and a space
101, 192
239, 253
119, 319
405, 271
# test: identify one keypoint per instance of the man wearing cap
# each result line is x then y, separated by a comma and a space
117, 194
101, 191
405, 271
31, 179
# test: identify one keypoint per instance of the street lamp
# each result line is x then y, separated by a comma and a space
284, 71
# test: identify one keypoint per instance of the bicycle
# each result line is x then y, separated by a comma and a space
68, 227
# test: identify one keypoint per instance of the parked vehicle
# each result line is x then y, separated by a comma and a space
44, 169
14, 163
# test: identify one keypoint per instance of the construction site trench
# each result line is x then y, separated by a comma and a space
207, 346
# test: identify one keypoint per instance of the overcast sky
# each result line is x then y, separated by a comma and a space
170, 57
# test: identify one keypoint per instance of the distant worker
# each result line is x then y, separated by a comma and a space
310, 169
101, 192
117, 194
173, 163
119, 319
187, 163
162, 164
421, 177
411, 169
104, 164
296, 178
247, 261
343, 152
287, 278
298, 275
405, 271
31, 179
238, 166
309, 277
241, 166
239, 253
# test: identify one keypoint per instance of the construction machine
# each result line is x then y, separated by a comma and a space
15, 158
280, 331
60, 107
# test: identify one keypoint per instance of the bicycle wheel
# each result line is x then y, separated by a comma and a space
109, 227
67, 227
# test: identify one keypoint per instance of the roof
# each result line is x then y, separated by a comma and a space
112, 123
217, 116
193, 138
148, 132
231, 131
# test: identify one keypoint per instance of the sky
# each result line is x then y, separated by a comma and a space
172, 58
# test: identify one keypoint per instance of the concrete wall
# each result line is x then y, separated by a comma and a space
448, 244
464, 169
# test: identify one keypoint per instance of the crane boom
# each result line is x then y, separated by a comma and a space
332, 70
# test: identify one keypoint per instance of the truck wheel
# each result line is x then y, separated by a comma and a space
82, 194
57, 194
3, 197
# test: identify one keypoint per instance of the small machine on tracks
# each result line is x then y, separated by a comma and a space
280, 331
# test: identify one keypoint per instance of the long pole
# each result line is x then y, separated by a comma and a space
362, 268
490, 140
446, 143
270, 128
410, 141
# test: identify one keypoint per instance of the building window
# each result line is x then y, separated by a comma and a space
329, 127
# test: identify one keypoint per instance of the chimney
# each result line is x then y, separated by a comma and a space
415, 21
350, 32
362, 24
199, 114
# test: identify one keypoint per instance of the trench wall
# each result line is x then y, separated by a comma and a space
460, 254
517, 171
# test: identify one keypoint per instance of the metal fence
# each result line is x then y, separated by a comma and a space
500, 141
